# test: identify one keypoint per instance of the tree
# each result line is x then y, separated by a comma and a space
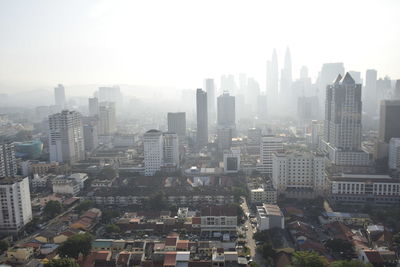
52, 209
112, 229
4, 245
308, 259
65, 262
108, 215
267, 251
76, 244
253, 264
84, 206
339, 246
349, 264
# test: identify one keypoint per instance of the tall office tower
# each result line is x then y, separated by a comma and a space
384, 88
262, 107
397, 90
370, 101
66, 143
394, 154
90, 136
304, 72
228, 84
342, 130
269, 145
15, 199
328, 74
171, 149
299, 173
242, 83
177, 123
307, 108
286, 77
153, 152
59, 96
210, 89
107, 118
356, 75
202, 118
8, 164
389, 126
93, 106
252, 94
226, 110
272, 77
226, 121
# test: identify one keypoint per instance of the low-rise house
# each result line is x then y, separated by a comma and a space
19, 255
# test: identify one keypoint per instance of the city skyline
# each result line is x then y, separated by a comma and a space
113, 42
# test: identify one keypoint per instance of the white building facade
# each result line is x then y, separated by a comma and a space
15, 200
153, 152
269, 145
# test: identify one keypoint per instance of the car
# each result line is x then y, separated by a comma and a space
248, 257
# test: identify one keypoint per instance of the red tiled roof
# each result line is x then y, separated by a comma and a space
170, 259
196, 220
182, 244
373, 256
171, 241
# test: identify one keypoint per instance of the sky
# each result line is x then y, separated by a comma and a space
178, 43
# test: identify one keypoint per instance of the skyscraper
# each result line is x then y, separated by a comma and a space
66, 141
59, 96
210, 89
397, 90
228, 84
252, 95
342, 130
8, 164
110, 94
171, 149
389, 126
93, 106
328, 74
107, 118
226, 110
272, 80
177, 123
286, 76
153, 152
370, 101
269, 145
202, 118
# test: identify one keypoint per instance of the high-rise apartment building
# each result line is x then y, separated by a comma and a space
171, 149
226, 110
15, 200
342, 129
59, 96
93, 106
269, 145
294, 171
153, 152
202, 118
66, 141
8, 164
209, 86
177, 123
107, 118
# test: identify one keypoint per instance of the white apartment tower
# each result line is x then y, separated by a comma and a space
66, 141
8, 164
269, 144
15, 200
93, 106
296, 171
153, 152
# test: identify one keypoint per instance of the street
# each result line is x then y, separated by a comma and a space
251, 244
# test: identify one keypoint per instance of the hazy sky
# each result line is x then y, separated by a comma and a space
178, 43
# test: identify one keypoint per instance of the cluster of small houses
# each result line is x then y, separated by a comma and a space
43, 246
371, 243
